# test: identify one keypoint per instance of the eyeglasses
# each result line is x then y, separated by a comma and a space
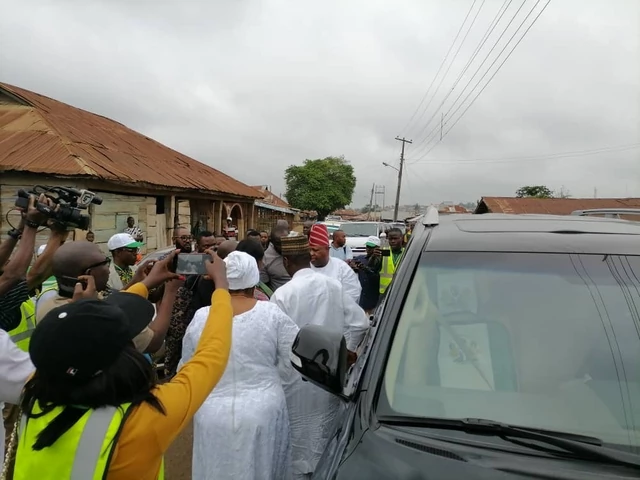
106, 261
185, 238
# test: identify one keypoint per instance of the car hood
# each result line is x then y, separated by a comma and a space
408, 454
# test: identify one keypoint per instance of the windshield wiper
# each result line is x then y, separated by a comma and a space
588, 448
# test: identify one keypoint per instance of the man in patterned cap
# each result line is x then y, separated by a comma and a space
322, 262
309, 298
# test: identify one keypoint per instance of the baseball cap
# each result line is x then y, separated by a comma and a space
77, 341
122, 240
372, 242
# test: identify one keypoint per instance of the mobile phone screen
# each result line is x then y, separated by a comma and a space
192, 263
385, 253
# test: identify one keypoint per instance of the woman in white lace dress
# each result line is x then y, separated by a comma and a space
241, 432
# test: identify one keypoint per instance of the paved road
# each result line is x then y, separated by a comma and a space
178, 458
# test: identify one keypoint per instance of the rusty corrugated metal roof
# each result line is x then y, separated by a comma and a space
270, 198
50, 137
552, 206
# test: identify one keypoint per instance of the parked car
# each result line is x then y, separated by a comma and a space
157, 255
357, 233
506, 347
331, 226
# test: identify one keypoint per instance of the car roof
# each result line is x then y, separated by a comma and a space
535, 233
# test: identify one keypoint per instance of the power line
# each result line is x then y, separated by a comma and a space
550, 156
440, 68
483, 40
494, 73
421, 146
433, 96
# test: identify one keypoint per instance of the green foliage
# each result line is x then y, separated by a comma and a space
323, 185
535, 191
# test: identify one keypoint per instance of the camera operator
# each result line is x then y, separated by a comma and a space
367, 267
15, 284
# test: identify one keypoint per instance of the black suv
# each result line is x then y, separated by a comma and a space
507, 346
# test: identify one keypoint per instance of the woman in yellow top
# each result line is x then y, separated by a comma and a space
93, 409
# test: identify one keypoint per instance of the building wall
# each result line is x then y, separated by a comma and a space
156, 222
111, 217
266, 219
106, 219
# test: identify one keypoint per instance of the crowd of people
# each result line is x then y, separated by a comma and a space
104, 360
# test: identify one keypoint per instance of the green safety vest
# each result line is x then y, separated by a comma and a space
21, 335
82, 453
387, 271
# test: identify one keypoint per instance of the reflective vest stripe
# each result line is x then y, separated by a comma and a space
90, 445
22, 333
90, 451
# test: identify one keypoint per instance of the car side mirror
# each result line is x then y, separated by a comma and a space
320, 355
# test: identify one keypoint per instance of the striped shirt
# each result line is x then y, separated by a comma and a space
134, 231
10, 303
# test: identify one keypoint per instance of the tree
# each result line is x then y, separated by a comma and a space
323, 185
535, 191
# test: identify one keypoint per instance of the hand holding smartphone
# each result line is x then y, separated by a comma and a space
191, 263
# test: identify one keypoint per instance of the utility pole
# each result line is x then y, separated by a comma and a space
371, 202
395, 210
379, 190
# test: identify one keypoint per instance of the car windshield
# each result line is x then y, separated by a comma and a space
546, 341
356, 229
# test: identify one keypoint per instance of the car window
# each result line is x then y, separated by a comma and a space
356, 229
541, 340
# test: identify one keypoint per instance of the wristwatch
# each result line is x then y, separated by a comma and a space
30, 224
15, 233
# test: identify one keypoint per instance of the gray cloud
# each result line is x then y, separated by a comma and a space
252, 87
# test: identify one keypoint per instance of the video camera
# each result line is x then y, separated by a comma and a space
71, 203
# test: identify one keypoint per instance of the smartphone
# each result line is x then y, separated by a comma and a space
191, 263
385, 253
66, 285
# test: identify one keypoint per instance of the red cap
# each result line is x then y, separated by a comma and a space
318, 235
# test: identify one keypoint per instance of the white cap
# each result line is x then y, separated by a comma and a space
372, 241
242, 271
41, 250
229, 218
122, 240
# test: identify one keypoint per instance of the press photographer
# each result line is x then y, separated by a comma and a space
368, 267
15, 281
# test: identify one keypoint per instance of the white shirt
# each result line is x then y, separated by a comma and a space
15, 369
315, 299
341, 271
341, 253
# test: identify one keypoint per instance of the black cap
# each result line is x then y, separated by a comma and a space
78, 340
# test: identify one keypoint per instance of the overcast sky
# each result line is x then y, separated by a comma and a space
253, 86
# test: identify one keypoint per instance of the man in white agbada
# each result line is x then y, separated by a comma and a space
322, 262
310, 298
242, 429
